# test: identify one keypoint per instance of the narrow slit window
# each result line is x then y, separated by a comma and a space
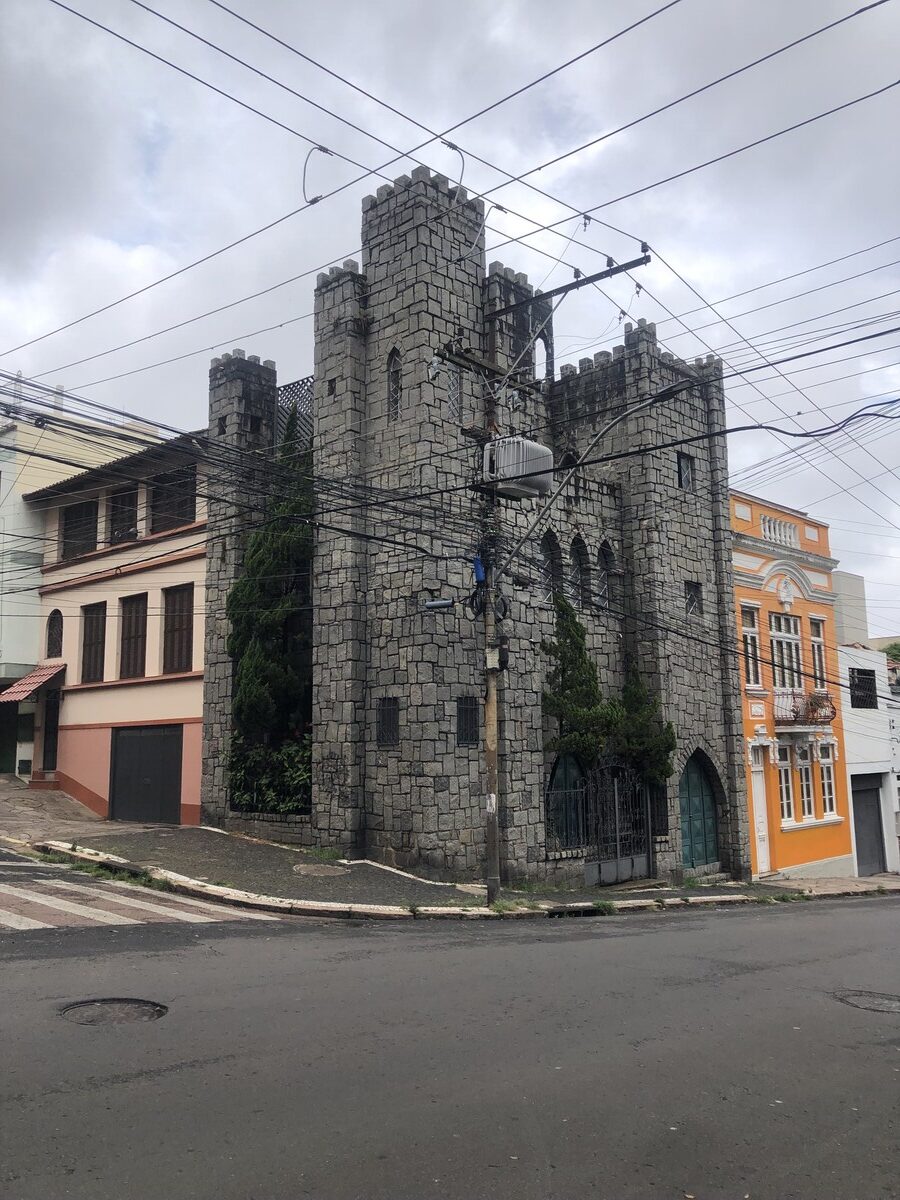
387, 721
455, 394
394, 386
467, 723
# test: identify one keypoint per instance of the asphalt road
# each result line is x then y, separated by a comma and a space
642, 1056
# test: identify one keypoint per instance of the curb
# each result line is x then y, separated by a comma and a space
383, 912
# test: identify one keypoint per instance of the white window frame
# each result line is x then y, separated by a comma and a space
826, 777
750, 637
787, 661
817, 641
785, 783
807, 795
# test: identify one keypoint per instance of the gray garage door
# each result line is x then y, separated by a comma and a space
867, 824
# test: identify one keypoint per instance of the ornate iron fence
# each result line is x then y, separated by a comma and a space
605, 817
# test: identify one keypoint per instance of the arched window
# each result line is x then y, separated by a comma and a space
550, 568
604, 592
394, 385
54, 634
579, 581
542, 356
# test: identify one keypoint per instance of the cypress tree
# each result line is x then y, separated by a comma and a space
270, 643
628, 732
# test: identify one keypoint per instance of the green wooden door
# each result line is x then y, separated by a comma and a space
699, 839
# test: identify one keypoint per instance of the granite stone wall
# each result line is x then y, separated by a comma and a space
243, 403
400, 517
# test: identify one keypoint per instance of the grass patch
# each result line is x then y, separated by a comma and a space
324, 854
98, 871
765, 899
691, 882
604, 908
504, 906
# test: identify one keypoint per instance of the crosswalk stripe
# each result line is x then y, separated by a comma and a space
11, 920
66, 906
131, 902
241, 914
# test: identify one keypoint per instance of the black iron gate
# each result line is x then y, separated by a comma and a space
606, 816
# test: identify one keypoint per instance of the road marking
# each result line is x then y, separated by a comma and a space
66, 906
234, 913
11, 920
131, 902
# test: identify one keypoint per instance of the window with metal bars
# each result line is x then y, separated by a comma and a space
467, 722
387, 721
173, 499
455, 394
178, 628
863, 689
606, 564
93, 642
123, 516
579, 589
79, 529
394, 385
133, 643
550, 568
687, 472
693, 598
54, 634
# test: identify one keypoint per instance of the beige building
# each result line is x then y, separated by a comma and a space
119, 677
39, 445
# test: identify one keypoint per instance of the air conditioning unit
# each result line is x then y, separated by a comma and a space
516, 467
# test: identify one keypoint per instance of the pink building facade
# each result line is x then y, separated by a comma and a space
119, 685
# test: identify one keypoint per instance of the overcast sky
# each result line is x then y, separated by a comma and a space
119, 171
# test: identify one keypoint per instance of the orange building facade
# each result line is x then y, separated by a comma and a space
796, 781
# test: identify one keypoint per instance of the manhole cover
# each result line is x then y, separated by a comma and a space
114, 1011
871, 1001
320, 869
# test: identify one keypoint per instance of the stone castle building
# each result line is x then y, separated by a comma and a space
640, 544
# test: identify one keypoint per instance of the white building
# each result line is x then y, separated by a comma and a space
871, 758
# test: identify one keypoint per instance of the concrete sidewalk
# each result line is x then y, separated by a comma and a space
244, 871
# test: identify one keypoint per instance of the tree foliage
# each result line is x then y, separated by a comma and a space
270, 642
893, 651
628, 730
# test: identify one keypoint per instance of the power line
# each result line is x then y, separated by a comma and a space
481, 112
301, 208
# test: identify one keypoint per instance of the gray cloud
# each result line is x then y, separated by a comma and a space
122, 171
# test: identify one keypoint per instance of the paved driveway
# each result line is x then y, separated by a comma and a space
27, 815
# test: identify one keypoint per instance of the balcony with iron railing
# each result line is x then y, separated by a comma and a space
795, 708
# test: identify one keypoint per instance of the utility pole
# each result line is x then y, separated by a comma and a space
491, 740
